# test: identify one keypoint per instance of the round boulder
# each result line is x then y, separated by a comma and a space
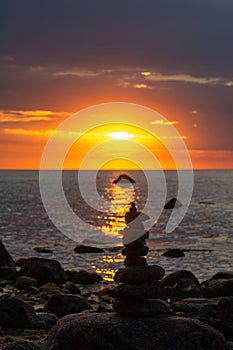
16, 313
43, 270
65, 304
110, 331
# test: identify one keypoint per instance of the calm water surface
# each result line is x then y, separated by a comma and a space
205, 232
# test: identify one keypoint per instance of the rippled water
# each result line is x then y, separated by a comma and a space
205, 233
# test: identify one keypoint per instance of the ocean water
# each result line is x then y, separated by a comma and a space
205, 232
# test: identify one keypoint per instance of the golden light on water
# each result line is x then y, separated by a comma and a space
120, 199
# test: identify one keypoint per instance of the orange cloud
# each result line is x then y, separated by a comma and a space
18, 116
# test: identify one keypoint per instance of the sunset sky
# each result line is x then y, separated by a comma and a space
58, 57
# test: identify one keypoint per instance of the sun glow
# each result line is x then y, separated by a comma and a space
120, 135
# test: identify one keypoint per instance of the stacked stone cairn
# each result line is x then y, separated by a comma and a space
140, 291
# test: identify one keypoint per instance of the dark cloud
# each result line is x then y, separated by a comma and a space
194, 36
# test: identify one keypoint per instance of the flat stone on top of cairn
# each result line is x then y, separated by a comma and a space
141, 293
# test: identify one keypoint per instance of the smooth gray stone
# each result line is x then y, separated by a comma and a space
139, 274
136, 261
135, 252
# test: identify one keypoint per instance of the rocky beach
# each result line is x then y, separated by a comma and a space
44, 307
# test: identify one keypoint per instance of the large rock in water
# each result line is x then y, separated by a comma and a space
5, 257
109, 331
43, 270
16, 313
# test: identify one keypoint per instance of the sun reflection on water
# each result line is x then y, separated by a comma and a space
120, 198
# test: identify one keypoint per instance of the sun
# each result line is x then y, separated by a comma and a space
120, 135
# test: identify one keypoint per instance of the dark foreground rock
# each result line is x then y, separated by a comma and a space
22, 345
16, 313
109, 331
43, 270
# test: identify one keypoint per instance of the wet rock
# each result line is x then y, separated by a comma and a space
81, 249
174, 253
43, 270
24, 282
16, 313
142, 291
139, 274
174, 277
185, 288
109, 331
135, 252
48, 318
6, 259
44, 250
224, 275
172, 203
150, 307
85, 277
135, 261
64, 304
217, 287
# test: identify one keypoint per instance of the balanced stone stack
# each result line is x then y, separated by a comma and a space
140, 292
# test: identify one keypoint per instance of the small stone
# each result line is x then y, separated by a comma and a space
7, 273
104, 307
140, 291
135, 252
174, 253
185, 288
24, 282
139, 274
85, 277
64, 304
48, 318
174, 277
152, 307
172, 203
137, 261
44, 250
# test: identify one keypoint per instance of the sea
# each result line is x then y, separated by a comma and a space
98, 206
